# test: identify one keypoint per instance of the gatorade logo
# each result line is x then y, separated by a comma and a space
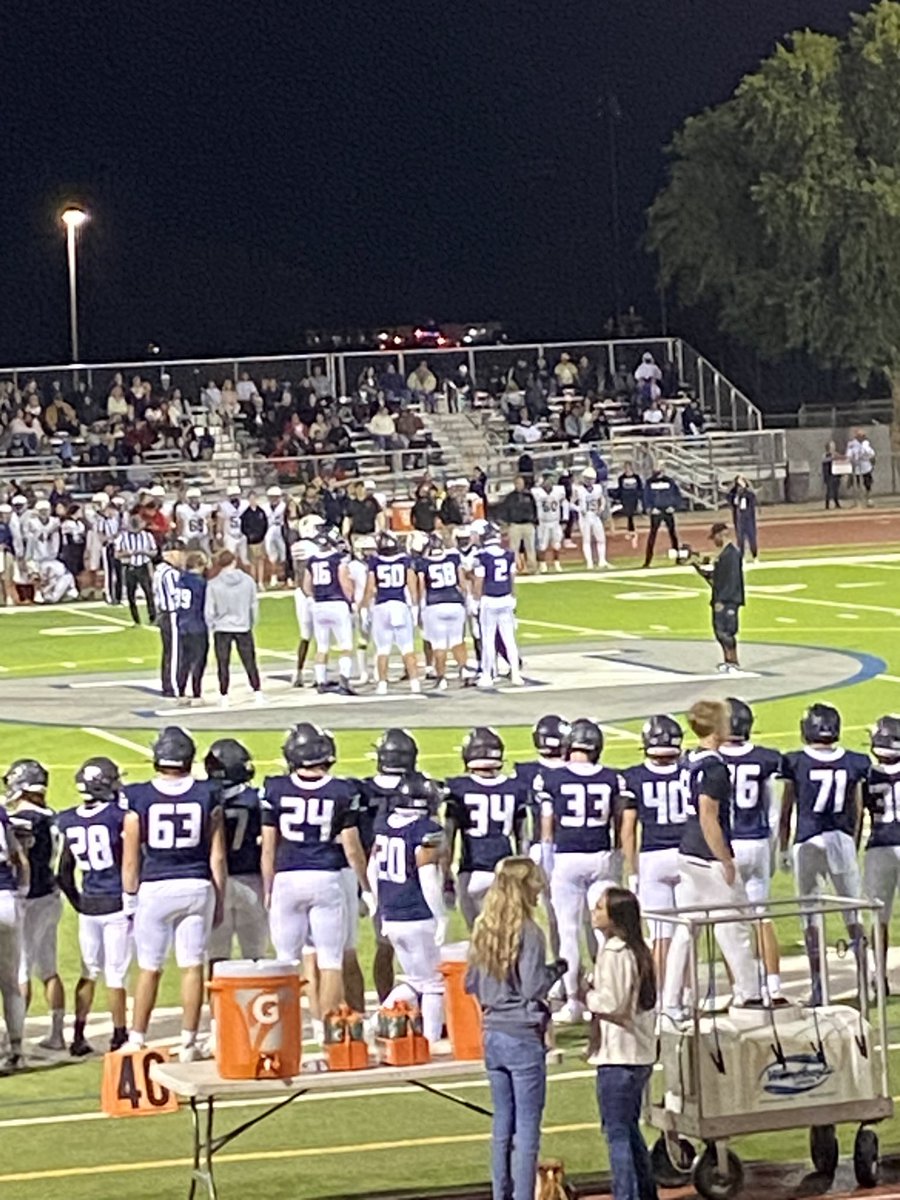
264, 1009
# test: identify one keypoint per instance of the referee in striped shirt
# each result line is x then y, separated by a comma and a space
167, 595
136, 550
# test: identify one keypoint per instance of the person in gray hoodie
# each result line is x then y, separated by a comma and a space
231, 611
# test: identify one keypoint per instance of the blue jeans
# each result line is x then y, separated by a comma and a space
517, 1072
619, 1093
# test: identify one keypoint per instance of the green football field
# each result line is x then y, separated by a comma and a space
360, 1146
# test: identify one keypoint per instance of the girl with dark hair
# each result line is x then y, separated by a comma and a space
623, 999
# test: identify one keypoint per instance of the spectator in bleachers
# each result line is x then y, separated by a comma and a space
135, 396
596, 425
519, 374
573, 422
692, 419
648, 370
422, 384
565, 373
211, 398
525, 432
393, 385
231, 400
321, 384
367, 383
460, 392
116, 403
512, 401
653, 418
245, 386
587, 377
413, 437
383, 429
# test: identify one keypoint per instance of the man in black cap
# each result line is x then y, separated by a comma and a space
724, 573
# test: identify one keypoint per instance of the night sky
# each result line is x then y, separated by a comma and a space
253, 170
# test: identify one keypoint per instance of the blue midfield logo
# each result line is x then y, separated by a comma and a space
798, 1073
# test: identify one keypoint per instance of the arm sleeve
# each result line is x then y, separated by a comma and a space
613, 984
536, 978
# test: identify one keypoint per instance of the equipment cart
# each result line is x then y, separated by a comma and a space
730, 1071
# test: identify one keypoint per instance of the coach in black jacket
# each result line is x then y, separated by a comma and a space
725, 576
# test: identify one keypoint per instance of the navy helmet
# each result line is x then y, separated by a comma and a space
418, 792
309, 745
482, 748
820, 723
99, 779
548, 735
741, 719
25, 775
584, 735
885, 738
228, 761
174, 749
662, 736
396, 752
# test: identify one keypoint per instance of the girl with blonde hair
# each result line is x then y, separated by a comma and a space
509, 975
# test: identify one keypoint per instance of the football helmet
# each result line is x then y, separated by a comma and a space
491, 535
662, 736
99, 779
820, 723
584, 735
25, 775
885, 738
229, 762
482, 748
419, 792
396, 752
309, 745
434, 547
387, 543
741, 719
174, 748
548, 735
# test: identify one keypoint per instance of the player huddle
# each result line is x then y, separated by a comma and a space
193, 865
375, 593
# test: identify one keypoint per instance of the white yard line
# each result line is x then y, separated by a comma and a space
114, 738
586, 629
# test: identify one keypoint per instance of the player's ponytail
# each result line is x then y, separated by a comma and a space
624, 914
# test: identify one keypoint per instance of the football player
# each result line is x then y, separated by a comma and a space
443, 608
301, 551
174, 871
553, 511
881, 799
823, 785
230, 511
396, 754
493, 589
548, 737
578, 801
192, 522
310, 835
91, 836
328, 584
654, 800
590, 501
490, 811
754, 825
35, 828
707, 871
358, 566
392, 594
276, 514
229, 767
14, 882
406, 878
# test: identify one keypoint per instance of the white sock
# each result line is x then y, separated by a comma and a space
773, 983
57, 1017
318, 1030
321, 672
345, 666
136, 1040
188, 1037
588, 555
361, 662
433, 1015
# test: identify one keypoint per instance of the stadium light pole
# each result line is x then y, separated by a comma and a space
73, 218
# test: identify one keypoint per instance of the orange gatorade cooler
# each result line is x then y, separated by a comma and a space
401, 516
256, 1007
462, 1011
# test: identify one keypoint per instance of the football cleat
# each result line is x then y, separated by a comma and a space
81, 1048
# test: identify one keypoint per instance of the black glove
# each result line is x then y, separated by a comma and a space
560, 967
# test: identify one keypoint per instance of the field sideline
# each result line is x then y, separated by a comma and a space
844, 601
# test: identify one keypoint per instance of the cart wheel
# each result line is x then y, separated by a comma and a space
865, 1157
666, 1172
710, 1183
824, 1150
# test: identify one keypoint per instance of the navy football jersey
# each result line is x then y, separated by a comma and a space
397, 838
175, 827
581, 798
658, 794
8, 882
390, 577
495, 567
242, 830
36, 828
705, 775
309, 815
374, 798
486, 811
440, 577
753, 770
824, 785
881, 799
324, 573
191, 599
93, 833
